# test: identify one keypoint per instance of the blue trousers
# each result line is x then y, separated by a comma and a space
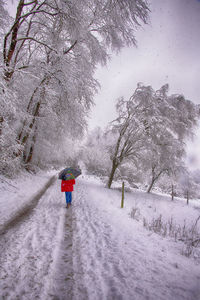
68, 196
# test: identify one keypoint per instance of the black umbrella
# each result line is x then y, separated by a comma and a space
69, 173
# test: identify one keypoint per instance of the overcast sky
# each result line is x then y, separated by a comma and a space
168, 52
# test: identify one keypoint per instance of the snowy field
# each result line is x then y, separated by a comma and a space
94, 250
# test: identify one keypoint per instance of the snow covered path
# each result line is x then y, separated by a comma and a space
116, 258
34, 251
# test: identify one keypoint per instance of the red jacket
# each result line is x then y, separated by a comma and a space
67, 185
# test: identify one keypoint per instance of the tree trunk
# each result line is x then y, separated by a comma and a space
1, 124
25, 137
30, 104
154, 178
151, 185
8, 72
172, 192
122, 201
30, 153
114, 167
187, 197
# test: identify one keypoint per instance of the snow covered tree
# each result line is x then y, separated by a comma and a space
49, 57
128, 130
151, 130
171, 120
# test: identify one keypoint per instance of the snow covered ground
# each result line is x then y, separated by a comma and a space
118, 258
94, 250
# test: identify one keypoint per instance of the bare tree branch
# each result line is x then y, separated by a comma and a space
29, 3
36, 12
70, 48
39, 42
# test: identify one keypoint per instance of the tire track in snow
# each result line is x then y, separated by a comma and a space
27, 209
30, 251
60, 283
79, 286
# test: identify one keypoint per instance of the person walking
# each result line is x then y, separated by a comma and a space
67, 187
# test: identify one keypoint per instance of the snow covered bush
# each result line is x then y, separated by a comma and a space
192, 241
190, 236
135, 213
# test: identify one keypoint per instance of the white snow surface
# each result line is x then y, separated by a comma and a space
94, 250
